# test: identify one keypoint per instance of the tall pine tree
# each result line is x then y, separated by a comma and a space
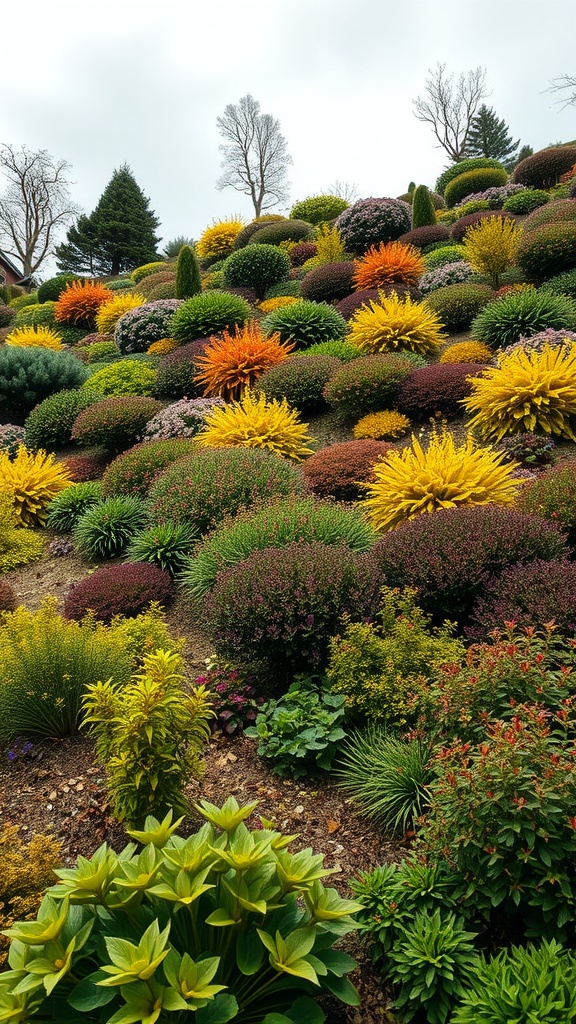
489, 136
118, 236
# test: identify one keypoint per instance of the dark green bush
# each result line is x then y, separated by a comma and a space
133, 471
305, 323
423, 212
300, 381
29, 375
245, 233
318, 209
476, 180
520, 314
65, 509
282, 231
367, 384
187, 274
167, 545
562, 284
206, 314
106, 528
471, 164
544, 168
256, 266
291, 287
114, 423
49, 424
458, 304
526, 201
51, 289
548, 250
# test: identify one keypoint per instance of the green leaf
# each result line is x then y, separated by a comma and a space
336, 961
87, 996
218, 1011
249, 953
342, 988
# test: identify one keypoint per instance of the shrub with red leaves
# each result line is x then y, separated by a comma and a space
329, 283
176, 373
85, 467
8, 599
348, 306
530, 595
426, 235
436, 390
340, 470
543, 169
125, 589
114, 423
301, 252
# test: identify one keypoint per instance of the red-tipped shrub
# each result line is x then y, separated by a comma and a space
132, 472
436, 390
119, 590
85, 467
301, 252
340, 470
530, 595
114, 423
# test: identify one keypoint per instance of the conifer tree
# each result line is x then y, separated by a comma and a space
187, 273
423, 211
489, 136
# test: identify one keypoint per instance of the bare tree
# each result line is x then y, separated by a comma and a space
255, 154
347, 190
35, 204
561, 84
451, 106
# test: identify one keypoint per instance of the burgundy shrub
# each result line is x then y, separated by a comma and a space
340, 470
125, 589
436, 390
530, 595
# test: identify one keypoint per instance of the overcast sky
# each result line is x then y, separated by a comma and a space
121, 81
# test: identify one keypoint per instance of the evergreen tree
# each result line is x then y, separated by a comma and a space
490, 136
187, 273
118, 236
423, 211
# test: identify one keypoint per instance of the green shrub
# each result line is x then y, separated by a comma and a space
471, 164
553, 495
205, 487
458, 304
367, 384
562, 284
106, 528
125, 377
423, 212
548, 250
147, 268
282, 231
292, 287
477, 180
444, 255
342, 350
544, 168
318, 209
187, 273
526, 201
49, 424
167, 545
133, 471
386, 778
245, 233
305, 323
207, 314
280, 523
556, 211
66, 508
520, 314
149, 735
51, 289
99, 351
256, 266
114, 423
300, 732
22, 299
300, 381
36, 314
473, 206
285, 925
29, 375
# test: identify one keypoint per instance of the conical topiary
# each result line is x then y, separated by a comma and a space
423, 211
187, 273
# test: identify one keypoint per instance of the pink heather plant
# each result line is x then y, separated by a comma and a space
180, 419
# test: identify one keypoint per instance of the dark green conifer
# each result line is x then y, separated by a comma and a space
423, 211
187, 273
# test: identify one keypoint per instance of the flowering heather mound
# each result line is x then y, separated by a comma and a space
133, 471
114, 423
180, 419
367, 384
340, 470
450, 557
137, 329
425, 235
553, 494
119, 590
437, 389
300, 381
81, 468
530, 595
176, 375
450, 273
371, 221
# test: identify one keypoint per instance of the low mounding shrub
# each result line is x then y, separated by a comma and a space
449, 557
467, 352
548, 250
114, 423
283, 522
119, 590
553, 495
305, 323
7, 315
341, 350
396, 324
40, 337
328, 283
462, 225
387, 264
340, 470
51, 290
105, 528
528, 450
66, 508
555, 212
205, 487
85, 467
11, 437
543, 169
300, 381
440, 388
371, 221
176, 375
299, 733
133, 471
140, 327
457, 304
8, 599
282, 231
206, 314
382, 426
443, 255
425, 236
253, 422
318, 209
348, 306
526, 201
291, 287
520, 314
529, 595
167, 545
180, 419
475, 180
302, 251
257, 267
367, 384
470, 164
49, 425
18, 545
29, 375
282, 605
562, 284
122, 378
245, 233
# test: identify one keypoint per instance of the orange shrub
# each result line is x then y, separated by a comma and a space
386, 264
80, 301
234, 362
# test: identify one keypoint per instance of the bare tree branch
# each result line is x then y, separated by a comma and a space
35, 204
255, 154
449, 107
561, 84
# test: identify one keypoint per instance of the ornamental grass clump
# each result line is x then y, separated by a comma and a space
305, 323
65, 509
105, 528
255, 423
528, 391
413, 481
40, 337
31, 480
167, 545
388, 263
396, 324
520, 314
234, 362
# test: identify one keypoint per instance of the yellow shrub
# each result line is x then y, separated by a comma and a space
395, 324
413, 481
218, 239
163, 346
467, 352
490, 246
26, 870
531, 391
329, 247
109, 314
32, 479
41, 337
256, 423
382, 426
268, 305
17, 546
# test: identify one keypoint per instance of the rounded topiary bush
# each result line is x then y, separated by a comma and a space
348, 306
543, 169
548, 250
461, 226
119, 590
329, 282
520, 314
256, 266
436, 390
426, 235
302, 251
49, 425
246, 233
305, 323
473, 163
176, 374
458, 304
531, 595
283, 605
555, 212
367, 384
553, 495
114, 423
51, 289
371, 221
29, 375
451, 556
318, 209
124, 377
132, 472
37, 315
441, 277
340, 470
476, 180
443, 255
208, 313
467, 352
205, 487
301, 381
282, 231
140, 327
526, 201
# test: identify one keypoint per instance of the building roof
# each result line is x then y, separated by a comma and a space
6, 262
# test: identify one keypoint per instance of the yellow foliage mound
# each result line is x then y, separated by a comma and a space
382, 426
255, 423
217, 241
467, 352
42, 337
32, 479
396, 324
109, 313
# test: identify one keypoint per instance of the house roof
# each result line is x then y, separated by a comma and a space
6, 262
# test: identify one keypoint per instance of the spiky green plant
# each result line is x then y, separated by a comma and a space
106, 529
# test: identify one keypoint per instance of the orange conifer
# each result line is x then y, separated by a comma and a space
80, 301
234, 362
388, 264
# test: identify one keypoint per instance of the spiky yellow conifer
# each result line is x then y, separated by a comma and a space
41, 337
109, 313
32, 479
490, 246
217, 241
255, 423
395, 324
